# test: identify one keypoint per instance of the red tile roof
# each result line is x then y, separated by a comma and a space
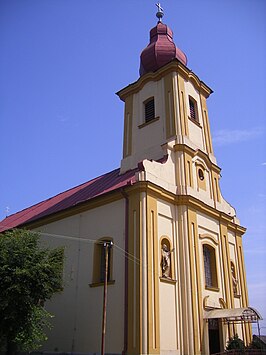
96, 187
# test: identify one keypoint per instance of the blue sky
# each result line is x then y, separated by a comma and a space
61, 123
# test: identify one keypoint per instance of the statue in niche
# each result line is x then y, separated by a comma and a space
166, 261
234, 279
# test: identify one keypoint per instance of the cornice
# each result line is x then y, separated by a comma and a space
196, 205
174, 66
137, 188
98, 201
239, 230
71, 211
185, 148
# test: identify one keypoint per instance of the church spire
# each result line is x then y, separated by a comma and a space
161, 49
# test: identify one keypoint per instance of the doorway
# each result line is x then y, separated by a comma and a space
214, 336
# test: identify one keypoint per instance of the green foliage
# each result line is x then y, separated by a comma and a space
29, 275
256, 344
32, 336
235, 343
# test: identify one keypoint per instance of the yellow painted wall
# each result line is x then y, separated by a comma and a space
78, 310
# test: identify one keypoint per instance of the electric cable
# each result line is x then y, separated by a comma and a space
120, 250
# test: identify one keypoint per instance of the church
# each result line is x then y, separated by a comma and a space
155, 233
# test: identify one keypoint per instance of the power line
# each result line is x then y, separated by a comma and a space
84, 239
62, 236
120, 250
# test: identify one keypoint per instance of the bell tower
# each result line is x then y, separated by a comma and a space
166, 115
166, 105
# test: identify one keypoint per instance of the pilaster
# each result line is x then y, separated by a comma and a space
196, 292
182, 106
185, 283
134, 275
243, 284
153, 277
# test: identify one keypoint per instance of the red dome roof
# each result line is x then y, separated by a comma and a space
160, 51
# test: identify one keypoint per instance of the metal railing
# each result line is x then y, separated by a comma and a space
243, 352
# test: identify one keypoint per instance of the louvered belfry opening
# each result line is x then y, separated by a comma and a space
193, 109
149, 109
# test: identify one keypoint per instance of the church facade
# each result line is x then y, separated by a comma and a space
176, 274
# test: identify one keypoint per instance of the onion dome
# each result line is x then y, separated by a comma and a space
160, 51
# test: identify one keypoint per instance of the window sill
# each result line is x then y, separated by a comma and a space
96, 284
149, 122
212, 288
169, 281
195, 121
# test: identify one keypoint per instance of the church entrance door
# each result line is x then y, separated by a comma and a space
214, 336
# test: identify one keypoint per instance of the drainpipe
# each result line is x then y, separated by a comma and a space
125, 195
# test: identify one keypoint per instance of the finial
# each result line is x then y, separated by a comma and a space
159, 13
7, 211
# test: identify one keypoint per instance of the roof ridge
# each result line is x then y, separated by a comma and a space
35, 205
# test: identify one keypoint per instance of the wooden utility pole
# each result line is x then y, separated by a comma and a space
106, 246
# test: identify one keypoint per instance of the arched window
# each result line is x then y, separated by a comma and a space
210, 266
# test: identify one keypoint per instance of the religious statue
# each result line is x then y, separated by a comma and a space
166, 261
234, 279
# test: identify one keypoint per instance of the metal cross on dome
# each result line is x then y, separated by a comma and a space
159, 13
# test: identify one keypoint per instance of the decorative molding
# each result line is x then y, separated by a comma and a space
195, 122
149, 122
173, 66
170, 281
223, 303
209, 304
198, 153
205, 299
209, 236
138, 187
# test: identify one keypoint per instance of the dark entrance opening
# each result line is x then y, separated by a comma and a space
214, 336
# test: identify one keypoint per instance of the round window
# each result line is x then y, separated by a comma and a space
201, 174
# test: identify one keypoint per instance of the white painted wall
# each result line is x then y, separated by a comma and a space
168, 334
147, 140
